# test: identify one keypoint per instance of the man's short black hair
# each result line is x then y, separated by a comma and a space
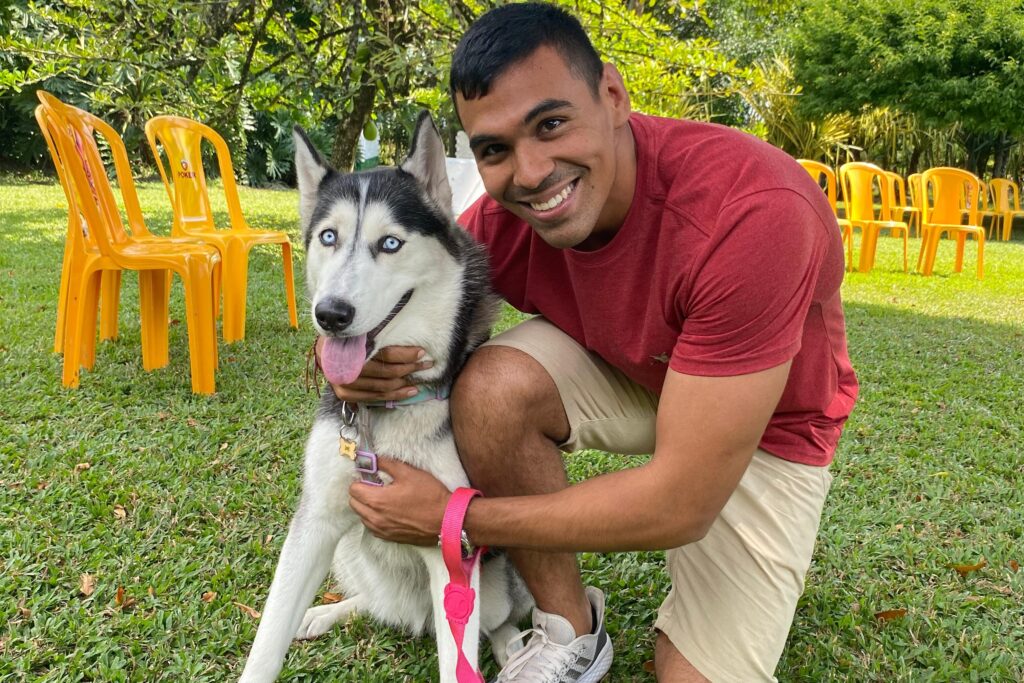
509, 34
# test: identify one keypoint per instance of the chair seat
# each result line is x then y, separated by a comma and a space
955, 226
247, 234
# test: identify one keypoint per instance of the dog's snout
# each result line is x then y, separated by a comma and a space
334, 315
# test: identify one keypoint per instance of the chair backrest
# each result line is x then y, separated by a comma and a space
78, 232
817, 171
859, 181
898, 188
181, 141
74, 133
946, 194
1005, 195
914, 185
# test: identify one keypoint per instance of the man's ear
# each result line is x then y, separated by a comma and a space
426, 162
310, 170
614, 88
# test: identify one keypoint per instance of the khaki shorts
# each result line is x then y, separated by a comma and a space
734, 592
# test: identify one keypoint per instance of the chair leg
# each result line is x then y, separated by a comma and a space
68, 283
958, 265
235, 266
289, 283
110, 300
202, 338
75, 331
154, 302
868, 244
981, 256
906, 238
90, 308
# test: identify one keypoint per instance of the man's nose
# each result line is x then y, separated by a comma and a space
533, 166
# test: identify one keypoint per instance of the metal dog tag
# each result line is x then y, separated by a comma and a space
347, 448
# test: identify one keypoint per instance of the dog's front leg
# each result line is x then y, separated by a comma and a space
305, 559
447, 651
305, 556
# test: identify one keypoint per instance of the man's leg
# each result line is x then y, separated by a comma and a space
523, 399
508, 419
670, 666
735, 591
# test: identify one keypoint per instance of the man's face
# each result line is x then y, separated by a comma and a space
554, 153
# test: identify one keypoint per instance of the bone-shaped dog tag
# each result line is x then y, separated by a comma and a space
347, 448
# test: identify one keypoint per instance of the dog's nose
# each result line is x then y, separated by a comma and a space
334, 315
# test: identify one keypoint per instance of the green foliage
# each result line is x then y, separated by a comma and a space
944, 61
250, 67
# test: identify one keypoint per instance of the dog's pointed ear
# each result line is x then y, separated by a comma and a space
310, 169
426, 162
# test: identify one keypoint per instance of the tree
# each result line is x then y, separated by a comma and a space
946, 62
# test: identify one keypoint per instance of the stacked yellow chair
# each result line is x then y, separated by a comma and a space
100, 243
1006, 204
859, 180
945, 192
901, 208
181, 140
818, 171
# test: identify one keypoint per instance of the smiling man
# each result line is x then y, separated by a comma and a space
685, 278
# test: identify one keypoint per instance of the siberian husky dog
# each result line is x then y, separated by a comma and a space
386, 265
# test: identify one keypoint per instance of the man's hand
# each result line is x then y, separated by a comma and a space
408, 510
384, 377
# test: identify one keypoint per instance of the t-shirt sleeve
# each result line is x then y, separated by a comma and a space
472, 220
749, 293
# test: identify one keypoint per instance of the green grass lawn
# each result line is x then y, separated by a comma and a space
182, 508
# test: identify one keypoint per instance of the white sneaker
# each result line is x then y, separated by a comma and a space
554, 654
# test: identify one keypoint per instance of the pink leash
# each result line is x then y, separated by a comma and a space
458, 594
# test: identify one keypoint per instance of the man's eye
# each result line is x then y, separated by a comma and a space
492, 150
550, 124
329, 237
389, 244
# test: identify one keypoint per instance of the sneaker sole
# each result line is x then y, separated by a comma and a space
602, 663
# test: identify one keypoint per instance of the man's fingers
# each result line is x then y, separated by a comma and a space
400, 354
382, 369
346, 393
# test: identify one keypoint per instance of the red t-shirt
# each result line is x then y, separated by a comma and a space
729, 262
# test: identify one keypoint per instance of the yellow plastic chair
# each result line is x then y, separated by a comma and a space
819, 171
75, 254
181, 140
1006, 203
859, 180
107, 246
903, 210
983, 210
946, 190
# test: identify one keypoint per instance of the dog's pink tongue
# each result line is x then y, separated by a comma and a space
343, 359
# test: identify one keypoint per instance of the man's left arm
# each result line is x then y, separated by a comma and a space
707, 431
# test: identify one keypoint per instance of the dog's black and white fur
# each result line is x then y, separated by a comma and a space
449, 314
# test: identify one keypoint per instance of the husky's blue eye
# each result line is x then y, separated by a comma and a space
329, 237
389, 244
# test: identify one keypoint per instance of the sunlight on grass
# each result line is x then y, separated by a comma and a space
185, 495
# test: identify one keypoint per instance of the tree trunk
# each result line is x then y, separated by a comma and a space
1002, 155
346, 133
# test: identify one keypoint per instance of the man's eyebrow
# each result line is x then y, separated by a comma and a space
541, 108
544, 107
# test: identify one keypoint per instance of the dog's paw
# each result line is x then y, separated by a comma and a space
316, 622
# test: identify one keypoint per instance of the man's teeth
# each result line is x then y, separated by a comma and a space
554, 201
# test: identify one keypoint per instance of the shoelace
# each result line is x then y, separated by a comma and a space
550, 658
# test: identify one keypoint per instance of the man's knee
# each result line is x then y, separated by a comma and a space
504, 388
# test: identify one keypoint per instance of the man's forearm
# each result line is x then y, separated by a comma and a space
621, 511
